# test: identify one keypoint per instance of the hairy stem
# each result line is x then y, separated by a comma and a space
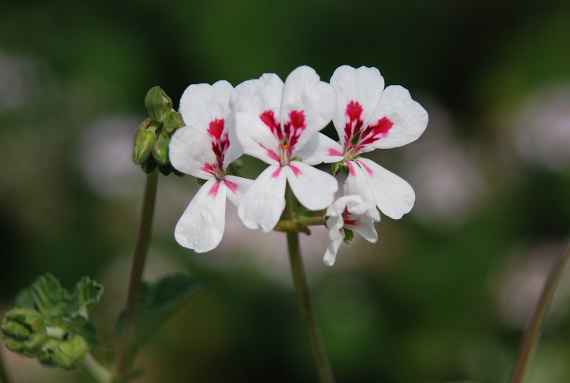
304, 297
299, 223
97, 371
532, 334
124, 356
3, 372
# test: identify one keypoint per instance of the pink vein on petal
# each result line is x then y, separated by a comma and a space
351, 170
296, 171
231, 185
276, 173
214, 189
366, 167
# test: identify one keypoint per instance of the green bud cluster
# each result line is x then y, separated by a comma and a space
50, 323
153, 135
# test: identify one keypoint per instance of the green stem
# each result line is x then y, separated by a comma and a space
3, 372
97, 371
125, 355
532, 334
304, 297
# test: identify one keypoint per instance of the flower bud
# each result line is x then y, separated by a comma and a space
144, 141
66, 353
157, 103
23, 330
172, 121
160, 149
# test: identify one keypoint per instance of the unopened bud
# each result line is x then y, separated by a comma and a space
144, 141
172, 121
157, 103
23, 330
160, 149
63, 353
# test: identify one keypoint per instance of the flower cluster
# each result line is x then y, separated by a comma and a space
279, 123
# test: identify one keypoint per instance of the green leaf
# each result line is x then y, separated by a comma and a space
87, 293
158, 301
49, 297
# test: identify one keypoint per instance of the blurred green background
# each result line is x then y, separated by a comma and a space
446, 294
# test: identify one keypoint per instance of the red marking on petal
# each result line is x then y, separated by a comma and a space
383, 126
354, 110
334, 152
351, 170
270, 153
366, 167
214, 189
216, 128
231, 185
268, 118
348, 219
276, 173
296, 171
297, 118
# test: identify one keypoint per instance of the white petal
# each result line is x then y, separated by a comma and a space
393, 196
332, 249
201, 226
256, 139
305, 92
410, 119
313, 188
319, 149
264, 202
202, 103
236, 188
190, 148
363, 85
252, 98
365, 228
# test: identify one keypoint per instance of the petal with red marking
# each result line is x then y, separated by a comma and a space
189, 150
250, 101
202, 103
363, 86
236, 188
409, 118
304, 92
390, 193
319, 149
202, 224
313, 188
264, 202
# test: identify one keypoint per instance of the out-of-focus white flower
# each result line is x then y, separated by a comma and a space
105, 156
446, 174
204, 148
542, 129
368, 117
349, 213
521, 284
279, 124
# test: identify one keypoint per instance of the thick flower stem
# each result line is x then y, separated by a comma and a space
98, 372
532, 334
3, 373
124, 357
304, 299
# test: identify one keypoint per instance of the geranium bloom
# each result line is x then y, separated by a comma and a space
204, 148
279, 124
349, 213
370, 117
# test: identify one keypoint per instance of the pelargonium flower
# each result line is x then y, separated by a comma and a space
279, 124
204, 148
369, 117
349, 213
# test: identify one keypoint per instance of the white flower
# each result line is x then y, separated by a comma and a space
370, 117
204, 148
279, 124
352, 213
